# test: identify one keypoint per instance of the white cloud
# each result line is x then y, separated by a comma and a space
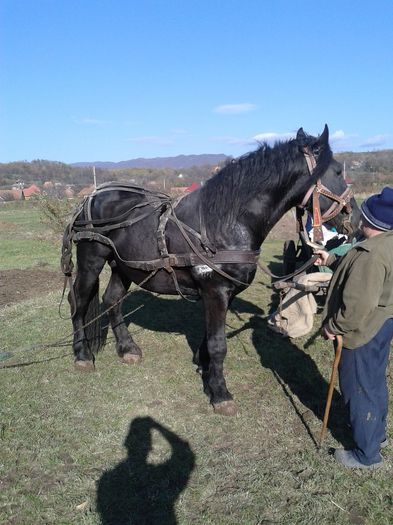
234, 109
272, 137
338, 135
162, 141
269, 137
375, 141
341, 141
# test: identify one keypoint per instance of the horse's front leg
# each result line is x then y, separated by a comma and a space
128, 351
216, 302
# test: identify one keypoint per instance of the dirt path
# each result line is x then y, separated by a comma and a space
19, 285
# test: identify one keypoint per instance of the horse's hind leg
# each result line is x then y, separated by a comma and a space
84, 301
128, 351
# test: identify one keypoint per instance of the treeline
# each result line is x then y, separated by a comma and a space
40, 171
367, 171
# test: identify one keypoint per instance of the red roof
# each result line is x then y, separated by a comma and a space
31, 190
11, 195
194, 186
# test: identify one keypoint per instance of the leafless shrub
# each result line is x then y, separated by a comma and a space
55, 212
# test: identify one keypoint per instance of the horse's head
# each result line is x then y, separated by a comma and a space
329, 191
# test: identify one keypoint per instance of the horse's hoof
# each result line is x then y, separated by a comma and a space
225, 408
131, 359
84, 366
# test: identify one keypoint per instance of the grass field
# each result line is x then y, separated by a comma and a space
136, 445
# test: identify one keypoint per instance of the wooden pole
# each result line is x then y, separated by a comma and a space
338, 343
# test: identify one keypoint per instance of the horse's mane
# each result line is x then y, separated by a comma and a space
266, 170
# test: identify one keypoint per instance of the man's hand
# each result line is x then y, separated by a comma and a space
327, 334
322, 257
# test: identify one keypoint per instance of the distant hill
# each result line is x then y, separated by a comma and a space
179, 162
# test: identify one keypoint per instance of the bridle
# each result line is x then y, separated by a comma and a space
340, 202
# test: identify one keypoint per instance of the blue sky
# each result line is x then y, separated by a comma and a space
111, 80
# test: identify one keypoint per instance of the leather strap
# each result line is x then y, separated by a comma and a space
182, 260
317, 219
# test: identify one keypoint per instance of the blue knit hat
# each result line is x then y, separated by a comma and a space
378, 210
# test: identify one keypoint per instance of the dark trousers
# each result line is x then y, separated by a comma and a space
362, 374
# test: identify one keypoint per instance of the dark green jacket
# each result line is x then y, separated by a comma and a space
360, 296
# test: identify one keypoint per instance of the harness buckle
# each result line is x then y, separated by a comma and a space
169, 261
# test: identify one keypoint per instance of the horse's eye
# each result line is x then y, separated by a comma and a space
316, 151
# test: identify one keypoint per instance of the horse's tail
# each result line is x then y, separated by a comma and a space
92, 320
66, 264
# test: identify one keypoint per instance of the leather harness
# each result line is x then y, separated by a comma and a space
87, 229
339, 201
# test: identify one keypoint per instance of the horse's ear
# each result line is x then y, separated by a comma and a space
324, 137
300, 135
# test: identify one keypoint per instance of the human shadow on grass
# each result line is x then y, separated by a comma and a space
136, 492
297, 374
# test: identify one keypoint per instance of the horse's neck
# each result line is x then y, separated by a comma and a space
266, 209
244, 212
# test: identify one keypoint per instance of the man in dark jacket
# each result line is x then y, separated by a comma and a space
359, 307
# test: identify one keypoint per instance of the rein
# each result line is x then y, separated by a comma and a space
284, 278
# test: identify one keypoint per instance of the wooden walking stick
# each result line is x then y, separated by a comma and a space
338, 344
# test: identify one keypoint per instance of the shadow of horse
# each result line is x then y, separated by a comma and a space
163, 314
294, 369
298, 375
136, 492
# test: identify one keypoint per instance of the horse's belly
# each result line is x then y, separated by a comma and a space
164, 283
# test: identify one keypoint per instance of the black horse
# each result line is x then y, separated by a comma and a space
206, 245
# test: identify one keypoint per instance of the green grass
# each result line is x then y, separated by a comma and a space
73, 444
27, 253
25, 241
